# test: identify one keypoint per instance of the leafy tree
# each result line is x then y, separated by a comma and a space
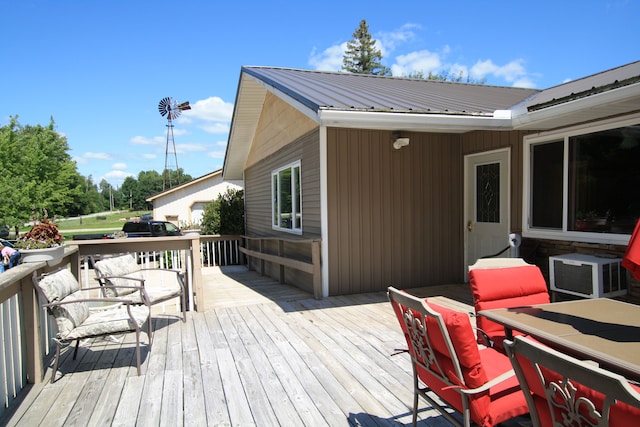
361, 56
225, 215
37, 172
446, 76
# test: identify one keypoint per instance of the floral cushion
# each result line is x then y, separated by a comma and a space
110, 321
63, 286
59, 285
124, 265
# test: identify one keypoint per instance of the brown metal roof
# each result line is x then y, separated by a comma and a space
597, 83
322, 90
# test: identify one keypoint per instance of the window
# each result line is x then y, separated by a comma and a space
585, 184
287, 198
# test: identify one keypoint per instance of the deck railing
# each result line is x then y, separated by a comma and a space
300, 255
25, 331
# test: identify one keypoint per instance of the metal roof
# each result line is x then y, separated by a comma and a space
614, 78
322, 90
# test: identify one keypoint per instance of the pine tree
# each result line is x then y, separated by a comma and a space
361, 56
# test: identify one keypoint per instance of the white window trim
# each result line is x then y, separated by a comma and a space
296, 209
564, 135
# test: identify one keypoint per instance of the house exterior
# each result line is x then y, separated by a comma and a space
185, 203
407, 182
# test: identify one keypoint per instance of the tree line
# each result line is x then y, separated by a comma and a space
38, 173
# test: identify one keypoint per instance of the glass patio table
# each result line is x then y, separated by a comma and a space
604, 330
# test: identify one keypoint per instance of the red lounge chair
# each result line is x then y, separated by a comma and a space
504, 288
562, 390
478, 383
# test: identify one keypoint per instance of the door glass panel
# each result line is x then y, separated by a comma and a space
488, 193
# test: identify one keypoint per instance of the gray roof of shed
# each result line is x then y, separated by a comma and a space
322, 90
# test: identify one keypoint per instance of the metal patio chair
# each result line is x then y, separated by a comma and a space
64, 300
115, 272
564, 391
447, 361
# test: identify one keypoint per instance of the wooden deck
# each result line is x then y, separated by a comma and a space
261, 354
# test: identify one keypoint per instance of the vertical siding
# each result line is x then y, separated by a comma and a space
394, 215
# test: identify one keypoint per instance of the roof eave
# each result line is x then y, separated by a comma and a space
621, 100
448, 123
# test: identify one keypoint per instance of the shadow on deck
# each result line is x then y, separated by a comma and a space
260, 354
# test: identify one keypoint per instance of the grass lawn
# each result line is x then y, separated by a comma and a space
94, 224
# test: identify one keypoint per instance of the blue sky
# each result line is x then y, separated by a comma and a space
99, 68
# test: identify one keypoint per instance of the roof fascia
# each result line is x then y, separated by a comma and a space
449, 123
523, 119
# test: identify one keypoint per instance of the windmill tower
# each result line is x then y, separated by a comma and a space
170, 108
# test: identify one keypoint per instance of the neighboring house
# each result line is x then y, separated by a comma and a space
473, 163
185, 203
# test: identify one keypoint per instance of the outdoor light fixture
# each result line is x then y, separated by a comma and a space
399, 141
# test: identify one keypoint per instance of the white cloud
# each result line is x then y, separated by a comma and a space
184, 148
215, 128
119, 166
387, 42
143, 140
329, 59
513, 72
98, 156
420, 61
216, 154
149, 156
117, 174
212, 109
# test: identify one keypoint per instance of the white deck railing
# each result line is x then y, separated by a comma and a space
25, 331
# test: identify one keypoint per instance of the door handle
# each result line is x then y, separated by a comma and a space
470, 226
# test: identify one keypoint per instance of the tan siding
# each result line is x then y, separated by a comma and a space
279, 125
394, 215
258, 188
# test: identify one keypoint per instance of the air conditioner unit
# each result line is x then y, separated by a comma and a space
588, 276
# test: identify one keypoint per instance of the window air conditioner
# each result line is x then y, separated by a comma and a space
587, 276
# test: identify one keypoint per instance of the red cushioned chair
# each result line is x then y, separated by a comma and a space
562, 390
478, 383
506, 287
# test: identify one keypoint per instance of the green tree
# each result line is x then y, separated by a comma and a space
362, 56
37, 172
444, 76
225, 215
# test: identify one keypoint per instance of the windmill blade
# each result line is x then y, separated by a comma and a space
164, 106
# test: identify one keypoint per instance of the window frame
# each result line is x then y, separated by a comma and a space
275, 201
564, 135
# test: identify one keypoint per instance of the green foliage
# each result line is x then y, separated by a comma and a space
225, 215
446, 76
37, 170
361, 56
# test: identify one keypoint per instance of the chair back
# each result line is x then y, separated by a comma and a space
562, 390
62, 286
505, 288
442, 346
122, 265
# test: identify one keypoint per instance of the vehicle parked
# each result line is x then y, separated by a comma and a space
150, 228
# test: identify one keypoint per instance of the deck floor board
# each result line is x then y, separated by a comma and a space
261, 354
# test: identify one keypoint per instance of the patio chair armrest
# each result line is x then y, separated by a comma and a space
486, 386
83, 300
141, 280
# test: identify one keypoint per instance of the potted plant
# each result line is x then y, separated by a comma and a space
190, 227
42, 243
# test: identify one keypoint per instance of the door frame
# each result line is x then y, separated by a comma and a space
466, 209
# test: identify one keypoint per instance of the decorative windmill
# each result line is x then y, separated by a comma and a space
170, 108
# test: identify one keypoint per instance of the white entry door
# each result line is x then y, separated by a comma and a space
487, 204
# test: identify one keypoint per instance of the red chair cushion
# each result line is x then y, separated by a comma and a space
505, 288
464, 343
